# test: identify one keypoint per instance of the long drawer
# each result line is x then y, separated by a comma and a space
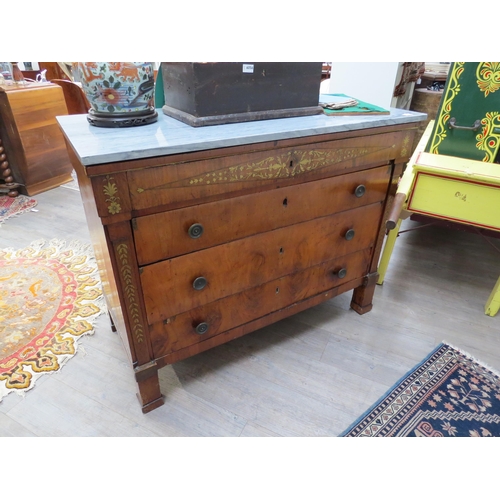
456, 199
183, 283
209, 320
173, 185
193, 228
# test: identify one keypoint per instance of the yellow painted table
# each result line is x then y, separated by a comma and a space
449, 188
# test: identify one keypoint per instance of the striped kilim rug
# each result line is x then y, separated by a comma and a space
448, 394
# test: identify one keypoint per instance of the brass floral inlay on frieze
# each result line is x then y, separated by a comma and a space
281, 166
406, 143
130, 292
110, 190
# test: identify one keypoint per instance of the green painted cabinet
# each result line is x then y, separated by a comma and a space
468, 120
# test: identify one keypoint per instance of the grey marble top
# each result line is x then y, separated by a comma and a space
96, 145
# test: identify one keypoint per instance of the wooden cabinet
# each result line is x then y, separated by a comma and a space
425, 100
467, 124
33, 143
197, 248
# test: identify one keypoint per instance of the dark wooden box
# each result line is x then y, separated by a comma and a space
214, 93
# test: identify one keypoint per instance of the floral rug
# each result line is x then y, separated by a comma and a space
11, 207
50, 295
447, 394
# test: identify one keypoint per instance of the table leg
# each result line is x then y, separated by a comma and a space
493, 303
362, 297
148, 385
113, 327
387, 252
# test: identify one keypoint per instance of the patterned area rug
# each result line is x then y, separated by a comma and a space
50, 295
11, 207
447, 394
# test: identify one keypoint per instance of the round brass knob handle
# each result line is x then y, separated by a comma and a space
360, 191
200, 283
349, 235
195, 231
341, 273
201, 328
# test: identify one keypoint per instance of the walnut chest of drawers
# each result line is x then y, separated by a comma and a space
204, 235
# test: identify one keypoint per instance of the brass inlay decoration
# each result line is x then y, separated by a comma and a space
279, 167
110, 190
406, 143
282, 166
488, 140
488, 77
130, 291
453, 90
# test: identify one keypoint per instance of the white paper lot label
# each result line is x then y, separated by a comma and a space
248, 68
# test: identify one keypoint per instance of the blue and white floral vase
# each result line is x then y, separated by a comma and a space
121, 94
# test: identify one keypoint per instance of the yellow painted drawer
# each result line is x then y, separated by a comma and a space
459, 200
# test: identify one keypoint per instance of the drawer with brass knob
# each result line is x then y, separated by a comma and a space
171, 185
201, 323
189, 229
176, 285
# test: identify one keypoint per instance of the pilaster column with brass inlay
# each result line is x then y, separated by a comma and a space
131, 297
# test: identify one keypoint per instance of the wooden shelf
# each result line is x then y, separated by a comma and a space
435, 76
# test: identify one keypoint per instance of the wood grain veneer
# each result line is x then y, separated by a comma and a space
31, 136
276, 220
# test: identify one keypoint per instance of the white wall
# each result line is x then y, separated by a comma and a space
34, 65
372, 82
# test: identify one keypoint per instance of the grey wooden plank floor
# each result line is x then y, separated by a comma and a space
309, 375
